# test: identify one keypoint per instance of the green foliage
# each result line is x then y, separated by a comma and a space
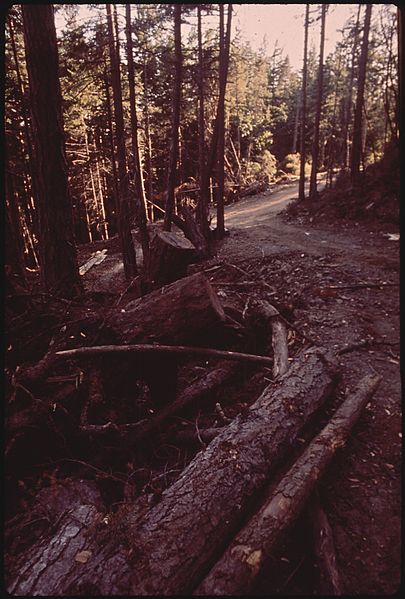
291, 164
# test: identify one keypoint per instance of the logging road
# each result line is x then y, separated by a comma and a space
256, 225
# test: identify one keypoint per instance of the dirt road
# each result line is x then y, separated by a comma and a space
256, 226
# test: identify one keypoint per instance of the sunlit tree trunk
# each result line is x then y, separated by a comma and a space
14, 246
124, 226
148, 141
315, 147
176, 101
357, 127
33, 186
221, 129
114, 174
301, 188
349, 99
139, 189
58, 260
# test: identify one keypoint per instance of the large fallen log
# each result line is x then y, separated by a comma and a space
173, 313
174, 544
183, 535
240, 564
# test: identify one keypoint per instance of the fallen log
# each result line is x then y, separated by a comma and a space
197, 390
252, 189
169, 256
179, 539
280, 347
324, 550
260, 312
173, 313
236, 570
145, 348
172, 546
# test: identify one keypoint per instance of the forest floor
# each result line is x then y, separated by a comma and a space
338, 283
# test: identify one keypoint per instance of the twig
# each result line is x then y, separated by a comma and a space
361, 286
173, 349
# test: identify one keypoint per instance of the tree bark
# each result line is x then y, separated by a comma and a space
173, 545
348, 107
176, 102
202, 211
184, 534
315, 147
242, 561
124, 226
301, 186
58, 259
170, 254
176, 312
141, 218
358, 114
324, 550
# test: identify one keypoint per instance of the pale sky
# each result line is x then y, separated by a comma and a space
281, 22
285, 23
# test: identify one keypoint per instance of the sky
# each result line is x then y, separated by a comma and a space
283, 23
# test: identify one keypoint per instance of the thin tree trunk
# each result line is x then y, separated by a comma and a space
357, 127
140, 191
220, 109
348, 115
221, 130
315, 148
301, 190
124, 228
14, 256
294, 148
27, 133
202, 206
176, 101
58, 259
148, 141
111, 143
104, 230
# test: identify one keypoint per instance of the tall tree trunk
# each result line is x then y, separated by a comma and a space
315, 148
294, 147
140, 191
58, 259
202, 206
112, 149
220, 111
221, 129
176, 101
357, 127
348, 111
27, 132
14, 257
148, 141
124, 228
301, 189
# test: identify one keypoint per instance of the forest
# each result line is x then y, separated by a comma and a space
202, 389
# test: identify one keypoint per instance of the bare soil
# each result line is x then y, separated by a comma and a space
317, 275
361, 492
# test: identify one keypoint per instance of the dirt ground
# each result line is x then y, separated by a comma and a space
338, 284
361, 492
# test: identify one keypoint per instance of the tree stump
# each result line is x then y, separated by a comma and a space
170, 254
